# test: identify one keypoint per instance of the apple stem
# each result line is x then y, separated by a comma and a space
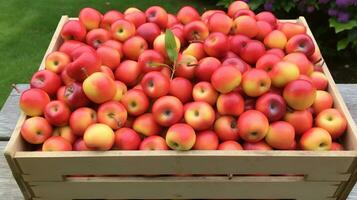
192, 65
173, 70
15, 87
84, 70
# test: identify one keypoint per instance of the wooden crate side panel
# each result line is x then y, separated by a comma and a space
187, 188
350, 139
16, 143
318, 167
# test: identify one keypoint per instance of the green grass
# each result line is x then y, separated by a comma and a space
27, 27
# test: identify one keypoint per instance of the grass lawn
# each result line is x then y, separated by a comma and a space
27, 27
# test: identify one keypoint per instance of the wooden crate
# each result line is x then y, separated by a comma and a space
301, 175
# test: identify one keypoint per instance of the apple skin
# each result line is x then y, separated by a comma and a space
93, 87
180, 137
78, 51
97, 37
60, 94
113, 114
148, 57
204, 91
319, 80
226, 79
121, 89
292, 29
230, 104
177, 30
208, 14
278, 52
84, 65
257, 146
74, 96
196, 50
300, 120
90, 18
237, 43
199, 115
136, 102
154, 142
300, 43
185, 66
33, 101
187, 14
128, 72
275, 39
126, 139
253, 126
109, 56
81, 118
206, 140
36, 130
138, 18
146, 125
316, 139
267, 61
252, 51
237, 63
264, 29
299, 94
206, 67
336, 147
281, 135
122, 29
235, 6
226, 128
134, 47
157, 15
115, 45
245, 25
272, 106
216, 45
46, 80
99, 136
106, 70
57, 61
65, 132
109, 18
57, 113
73, 30
304, 64
255, 82
167, 110
79, 145
283, 72
149, 31
268, 17
69, 45
159, 44
181, 88
220, 22
332, 121
171, 20
155, 84
323, 101
56, 143
195, 31
230, 145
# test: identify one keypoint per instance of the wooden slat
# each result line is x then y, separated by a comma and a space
8, 186
10, 112
186, 188
336, 164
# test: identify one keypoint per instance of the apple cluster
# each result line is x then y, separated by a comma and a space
240, 81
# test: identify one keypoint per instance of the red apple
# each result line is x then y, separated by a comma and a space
316, 139
155, 84
113, 114
46, 80
157, 15
281, 135
99, 136
206, 67
109, 18
226, 128
57, 113
255, 82
206, 140
33, 102
73, 30
149, 31
332, 121
301, 120
230, 104
122, 29
204, 91
226, 79
299, 94
230, 145
36, 130
134, 47
56, 143
81, 118
216, 45
57, 61
272, 106
181, 88
180, 137
126, 139
135, 101
90, 18
187, 14
199, 115
93, 87
74, 96
146, 125
167, 110
97, 37
128, 72
253, 126
153, 142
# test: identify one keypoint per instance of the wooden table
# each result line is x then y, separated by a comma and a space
10, 112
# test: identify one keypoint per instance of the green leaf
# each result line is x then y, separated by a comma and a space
342, 44
157, 64
170, 45
339, 27
256, 4
224, 3
288, 5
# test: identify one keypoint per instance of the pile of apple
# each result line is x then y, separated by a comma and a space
156, 81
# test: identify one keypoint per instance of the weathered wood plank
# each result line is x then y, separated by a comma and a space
8, 187
10, 112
